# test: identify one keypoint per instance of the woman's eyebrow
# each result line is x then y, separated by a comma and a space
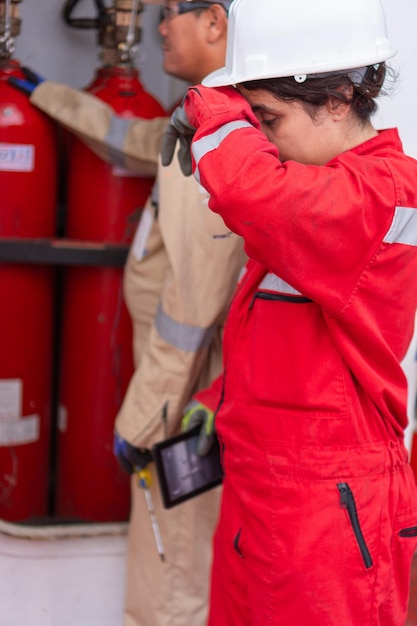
263, 108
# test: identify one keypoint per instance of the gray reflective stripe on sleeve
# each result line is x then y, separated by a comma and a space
117, 131
271, 282
211, 142
115, 138
182, 336
404, 227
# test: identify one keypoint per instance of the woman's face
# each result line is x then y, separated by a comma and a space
297, 136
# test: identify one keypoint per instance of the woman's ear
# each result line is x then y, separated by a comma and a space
337, 108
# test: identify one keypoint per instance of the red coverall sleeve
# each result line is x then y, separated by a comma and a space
311, 225
211, 396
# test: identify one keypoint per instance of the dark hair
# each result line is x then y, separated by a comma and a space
317, 89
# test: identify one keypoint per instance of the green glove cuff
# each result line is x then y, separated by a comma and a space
198, 414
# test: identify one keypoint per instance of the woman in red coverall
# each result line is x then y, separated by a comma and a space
319, 514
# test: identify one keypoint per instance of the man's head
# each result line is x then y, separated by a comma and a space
194, 37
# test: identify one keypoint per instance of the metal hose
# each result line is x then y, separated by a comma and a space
82, 22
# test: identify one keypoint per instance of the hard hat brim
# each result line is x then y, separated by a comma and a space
222, 77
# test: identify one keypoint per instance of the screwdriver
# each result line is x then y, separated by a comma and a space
145, 480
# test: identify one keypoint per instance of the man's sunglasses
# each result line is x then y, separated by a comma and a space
167, 13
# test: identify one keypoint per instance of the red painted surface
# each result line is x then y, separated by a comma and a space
96, 340
28, 183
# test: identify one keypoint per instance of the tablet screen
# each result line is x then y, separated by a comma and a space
182, 474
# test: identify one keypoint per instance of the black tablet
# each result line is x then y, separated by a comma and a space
182, 474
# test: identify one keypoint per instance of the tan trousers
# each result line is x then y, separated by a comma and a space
186, 532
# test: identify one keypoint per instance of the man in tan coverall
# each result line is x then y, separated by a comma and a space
178, 282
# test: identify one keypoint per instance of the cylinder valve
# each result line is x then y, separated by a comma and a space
9, 27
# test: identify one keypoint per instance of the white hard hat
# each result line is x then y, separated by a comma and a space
277, 38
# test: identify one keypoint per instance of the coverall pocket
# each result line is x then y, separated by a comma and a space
326, 511
237, 543
403, 548
405, 523
294, 363
343, 524
347, 501
404, 543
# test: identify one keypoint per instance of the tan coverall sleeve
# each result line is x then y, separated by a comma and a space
188, 289
134, 142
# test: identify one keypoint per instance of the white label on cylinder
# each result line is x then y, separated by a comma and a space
19, 432
16, 157
62, 419
11, 398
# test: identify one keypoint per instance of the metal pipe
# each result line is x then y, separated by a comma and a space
118, 27
9, 27
119, 37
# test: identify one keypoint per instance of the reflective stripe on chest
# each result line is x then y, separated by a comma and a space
403, 227
272, 287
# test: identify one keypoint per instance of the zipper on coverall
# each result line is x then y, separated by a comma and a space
347, 501
408, 532
278, 297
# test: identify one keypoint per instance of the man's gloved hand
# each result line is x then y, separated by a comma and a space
130, 458
204, 103
27, 85
200, 104
180, 130
195, 414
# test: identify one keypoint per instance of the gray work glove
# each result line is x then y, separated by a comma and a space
195, 414
179, 129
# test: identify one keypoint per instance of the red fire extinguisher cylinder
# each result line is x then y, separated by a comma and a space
28, 183
103, 205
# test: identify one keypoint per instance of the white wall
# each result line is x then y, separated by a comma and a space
400, 108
